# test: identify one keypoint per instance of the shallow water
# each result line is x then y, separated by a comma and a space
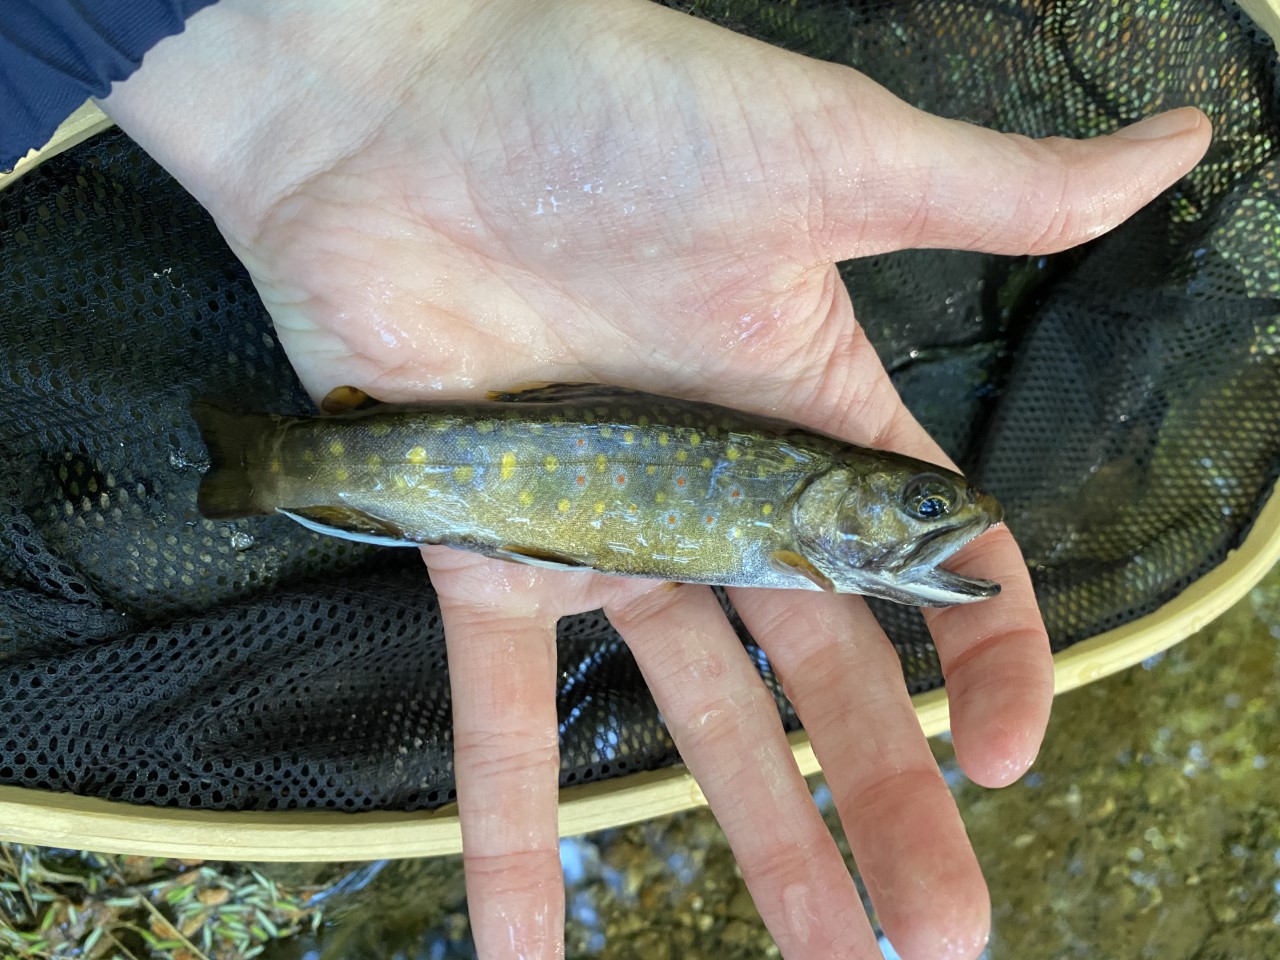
1149, 827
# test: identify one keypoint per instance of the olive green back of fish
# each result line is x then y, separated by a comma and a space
580, 476
617, 481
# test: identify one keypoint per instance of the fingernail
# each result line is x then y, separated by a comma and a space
1174, 123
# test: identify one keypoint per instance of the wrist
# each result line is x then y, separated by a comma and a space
251, 99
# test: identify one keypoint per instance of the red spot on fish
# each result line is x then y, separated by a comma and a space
622, 478
581, 479
671, 518
581, 442
711, 519
736, 494
679, 481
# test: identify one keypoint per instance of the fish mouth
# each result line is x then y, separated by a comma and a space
922, 580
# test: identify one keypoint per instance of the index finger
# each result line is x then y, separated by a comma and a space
995, 653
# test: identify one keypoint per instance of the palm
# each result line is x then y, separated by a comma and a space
639, 199
535, 244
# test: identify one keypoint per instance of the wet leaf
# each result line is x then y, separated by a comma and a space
214, 896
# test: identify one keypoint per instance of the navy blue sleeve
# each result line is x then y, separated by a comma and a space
56, 54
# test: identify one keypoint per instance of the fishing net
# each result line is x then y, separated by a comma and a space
1122, 399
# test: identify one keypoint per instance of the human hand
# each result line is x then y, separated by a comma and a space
440, 198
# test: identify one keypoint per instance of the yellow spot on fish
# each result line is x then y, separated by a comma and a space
464, 474
663, 439
706, 463
601, 463
651, 469
643, 421
661, 497
380, 428
275, 467
508, 465
632, 508
563, 506
733, 453
374, 461
341, 475
694, 438
526, 497
767, 509
551, 463
337, 449
309, 456
599, 508
762, 473
400, 482
606, 432
416, 456
484, 426
628, 437
735, 533
681, 456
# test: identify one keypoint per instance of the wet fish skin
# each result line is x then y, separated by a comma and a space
623, 482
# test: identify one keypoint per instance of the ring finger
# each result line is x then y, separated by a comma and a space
726, 726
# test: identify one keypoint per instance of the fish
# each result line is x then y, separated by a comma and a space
584, 476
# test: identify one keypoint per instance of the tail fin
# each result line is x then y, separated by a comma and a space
235, 441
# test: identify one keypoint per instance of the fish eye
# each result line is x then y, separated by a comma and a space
928, 496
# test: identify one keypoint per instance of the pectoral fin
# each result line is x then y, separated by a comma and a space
539, 558
788, 561
350, 524
345, 399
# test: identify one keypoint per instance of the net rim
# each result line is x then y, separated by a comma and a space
65, 820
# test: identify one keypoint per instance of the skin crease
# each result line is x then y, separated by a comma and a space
436, 198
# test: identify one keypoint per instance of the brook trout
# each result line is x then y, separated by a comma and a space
585, 476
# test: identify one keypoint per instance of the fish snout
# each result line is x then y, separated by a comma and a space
987, 504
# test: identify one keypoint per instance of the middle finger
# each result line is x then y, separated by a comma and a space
845, 680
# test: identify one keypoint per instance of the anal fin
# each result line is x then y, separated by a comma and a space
548, 559
350, 524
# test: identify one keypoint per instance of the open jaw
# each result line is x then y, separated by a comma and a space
924, 582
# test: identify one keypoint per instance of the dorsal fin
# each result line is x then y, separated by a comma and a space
557, 392
345, 399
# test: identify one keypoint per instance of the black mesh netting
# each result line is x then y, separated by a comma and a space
1123, 400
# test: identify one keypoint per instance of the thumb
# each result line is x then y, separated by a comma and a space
944, 183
